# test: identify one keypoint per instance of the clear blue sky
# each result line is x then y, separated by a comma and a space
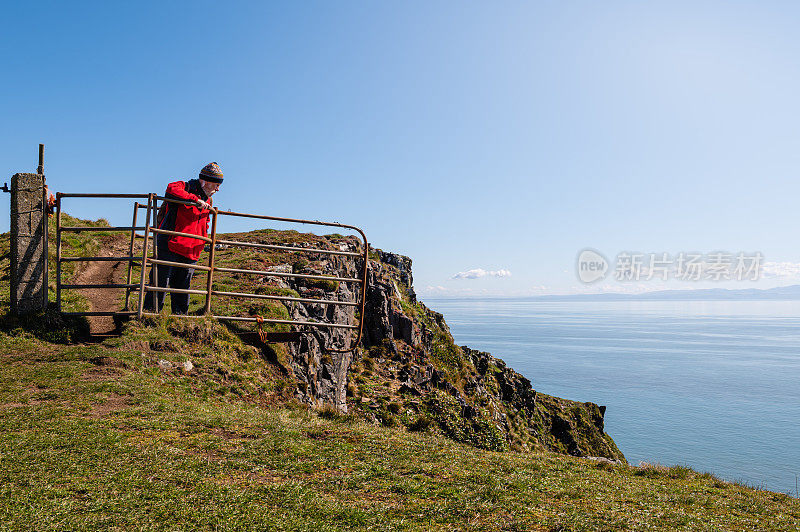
467, 135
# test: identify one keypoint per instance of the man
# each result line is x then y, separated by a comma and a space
191, 219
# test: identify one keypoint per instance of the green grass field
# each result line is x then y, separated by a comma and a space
100, 437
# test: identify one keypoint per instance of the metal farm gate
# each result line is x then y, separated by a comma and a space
150, 203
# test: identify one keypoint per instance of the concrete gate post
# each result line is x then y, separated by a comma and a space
28, 243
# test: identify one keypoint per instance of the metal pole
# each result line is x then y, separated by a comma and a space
144, 255
154, 267
40, 169
46, 243
130, 253
58, 251
211, 260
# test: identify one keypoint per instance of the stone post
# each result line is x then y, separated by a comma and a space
28, 243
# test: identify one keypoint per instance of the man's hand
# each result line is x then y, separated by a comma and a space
203, 205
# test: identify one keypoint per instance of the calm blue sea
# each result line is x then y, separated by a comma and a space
714, 385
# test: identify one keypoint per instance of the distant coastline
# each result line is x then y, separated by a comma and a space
782, 293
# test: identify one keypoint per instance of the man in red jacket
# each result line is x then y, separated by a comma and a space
191, 219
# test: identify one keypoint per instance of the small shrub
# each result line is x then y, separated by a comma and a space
326, 285
421, 424
603, 465
329, 412
648, 470
377, 351
299, 265
679, 472
278, 386
317, 433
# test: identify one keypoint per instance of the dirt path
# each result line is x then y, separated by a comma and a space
104, 299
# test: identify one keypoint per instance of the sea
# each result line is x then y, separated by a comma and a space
713, 385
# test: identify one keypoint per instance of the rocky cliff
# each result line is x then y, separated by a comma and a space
409, 371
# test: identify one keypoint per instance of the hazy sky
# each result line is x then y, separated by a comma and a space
489, 141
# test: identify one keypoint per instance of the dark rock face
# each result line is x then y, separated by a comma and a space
562, 430
513, 387
385, 317
403, 266
322, 374
407, 365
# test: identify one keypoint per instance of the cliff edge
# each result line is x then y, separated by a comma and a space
409, 371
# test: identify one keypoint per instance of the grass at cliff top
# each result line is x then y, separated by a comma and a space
117, 443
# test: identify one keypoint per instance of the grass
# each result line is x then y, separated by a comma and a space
100, 437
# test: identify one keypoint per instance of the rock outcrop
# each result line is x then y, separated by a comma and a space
408, 370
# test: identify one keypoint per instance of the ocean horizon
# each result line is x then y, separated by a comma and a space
713, 385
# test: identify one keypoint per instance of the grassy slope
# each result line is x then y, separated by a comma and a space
100, 436
90, 442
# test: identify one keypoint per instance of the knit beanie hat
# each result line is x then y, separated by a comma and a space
211, 172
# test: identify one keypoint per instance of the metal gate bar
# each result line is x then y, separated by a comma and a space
178, 233
180, 265
287, 248
285, 322
105, 259
95, 228
285, 298
117, 313
106, 285
286, 274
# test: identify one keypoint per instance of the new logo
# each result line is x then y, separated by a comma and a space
592, 266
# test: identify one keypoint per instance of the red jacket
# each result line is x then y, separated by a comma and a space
186, 218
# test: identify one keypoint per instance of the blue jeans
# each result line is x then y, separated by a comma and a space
169, 276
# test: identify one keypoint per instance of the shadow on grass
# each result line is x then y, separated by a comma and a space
48, 325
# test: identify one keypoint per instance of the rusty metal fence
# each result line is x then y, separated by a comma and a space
145, 261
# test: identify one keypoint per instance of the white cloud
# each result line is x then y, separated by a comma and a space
434, 289
477, 273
